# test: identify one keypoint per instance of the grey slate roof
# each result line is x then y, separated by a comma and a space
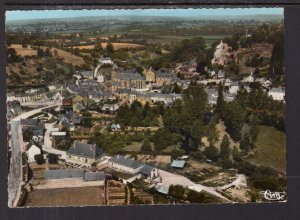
162, 189
178, 163
122, 91
63, 174
146, 169
277, 89
85, 150
73, 117
94, 176
130, 75
121, 160
235, 83
159, 95
165, 75
29, 122
88, 73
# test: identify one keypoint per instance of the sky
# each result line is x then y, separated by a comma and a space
45, 14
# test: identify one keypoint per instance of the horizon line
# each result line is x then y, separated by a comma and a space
18, 15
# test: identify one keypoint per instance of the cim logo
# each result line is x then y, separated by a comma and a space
273, 196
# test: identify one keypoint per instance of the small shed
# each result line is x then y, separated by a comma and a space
162, 189
178, 164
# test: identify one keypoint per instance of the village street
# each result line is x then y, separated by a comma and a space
15, 176
47, 147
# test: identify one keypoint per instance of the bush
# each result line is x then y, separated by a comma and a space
198, 155
176, 191
27, 135
39, 158
211, 153
146, 146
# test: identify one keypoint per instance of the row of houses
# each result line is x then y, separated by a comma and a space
28, 97
65, 178
90, 154
154, 97
160, 78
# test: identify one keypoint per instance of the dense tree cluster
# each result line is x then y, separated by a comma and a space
262, 108
262, 178
138, 115
164, 138
187, 117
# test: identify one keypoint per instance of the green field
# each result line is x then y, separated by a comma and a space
167, 39
270, 149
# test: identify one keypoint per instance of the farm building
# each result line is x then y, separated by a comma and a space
124, 164
85, 154
69, 178
129, 165
149, 172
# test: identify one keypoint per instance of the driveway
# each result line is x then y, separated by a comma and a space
171, 178
47, 147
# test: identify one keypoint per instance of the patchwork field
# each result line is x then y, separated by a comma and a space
116, 46
28, 51
80, 196
270, 149
66, 56
263, 49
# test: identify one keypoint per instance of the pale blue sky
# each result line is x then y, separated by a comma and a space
44, 14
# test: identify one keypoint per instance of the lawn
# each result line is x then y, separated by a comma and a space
135, 146
270, 149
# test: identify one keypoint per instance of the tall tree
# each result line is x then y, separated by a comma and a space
225, 150
277, 58
110, 47
211, 153
220, 101
146, 146
234, 116
236, 154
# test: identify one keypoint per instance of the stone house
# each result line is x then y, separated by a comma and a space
85, 154
131, 166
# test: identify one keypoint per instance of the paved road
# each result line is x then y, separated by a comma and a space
47, 147
15, 175
38, 104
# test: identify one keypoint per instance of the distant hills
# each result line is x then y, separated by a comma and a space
257, 17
